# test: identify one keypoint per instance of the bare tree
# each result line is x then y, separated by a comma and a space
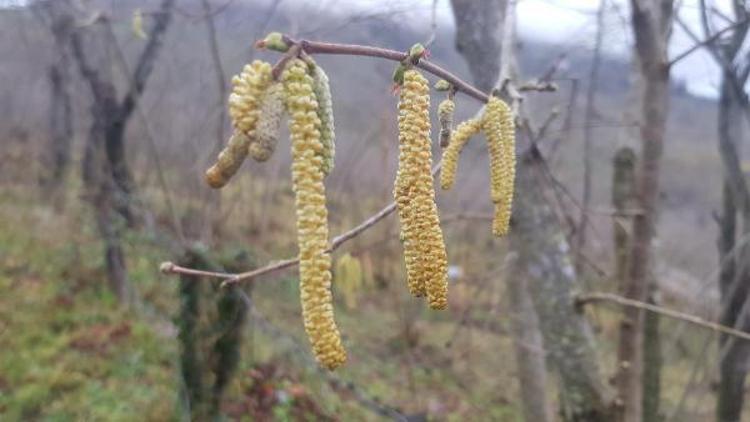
106, 174
651, 23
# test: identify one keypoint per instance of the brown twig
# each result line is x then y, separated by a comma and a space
692, 319
229, 278
317, 47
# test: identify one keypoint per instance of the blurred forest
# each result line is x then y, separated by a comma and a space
111, 111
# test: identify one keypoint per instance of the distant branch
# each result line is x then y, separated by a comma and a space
584, 299
703, 43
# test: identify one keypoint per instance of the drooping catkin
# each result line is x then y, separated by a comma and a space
464, 131
322, 90
445, 117
248, 89
269, 123
247, 93
424, 249
312, 217
499, 128
229, 161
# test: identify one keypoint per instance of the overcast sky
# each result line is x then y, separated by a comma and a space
572, 23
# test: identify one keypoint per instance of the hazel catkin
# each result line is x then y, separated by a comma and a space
312, 216
445, 118
464, 131
229, 161
247, 93
424, 248
268, 128
499, 129
322, 89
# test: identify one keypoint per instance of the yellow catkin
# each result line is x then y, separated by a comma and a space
247, 94
229, 161
445, 117
499, 128
322, 90
464, 131
269, 123
312, 217
424, 248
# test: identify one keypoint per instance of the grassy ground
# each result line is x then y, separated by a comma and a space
69, 352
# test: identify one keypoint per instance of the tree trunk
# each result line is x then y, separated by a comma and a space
580, 239
61, 129
57, 16
529, 349
544, 255
106, 175
734, 283
543, 251
651, 21
479, 29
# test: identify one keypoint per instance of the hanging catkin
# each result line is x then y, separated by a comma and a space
229, 161
322, 90
464, 131
445, 117
312, 216
244, 101
424, 249
269, 123
247, 93
498, 126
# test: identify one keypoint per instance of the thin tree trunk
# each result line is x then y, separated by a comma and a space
529, 349
733, 278
580, 240
651, 21
543, 251
623, 202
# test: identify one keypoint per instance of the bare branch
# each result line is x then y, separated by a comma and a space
706, 42
147, 58
692, 319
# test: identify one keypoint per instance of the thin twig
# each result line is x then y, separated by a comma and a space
700, 44
611, 297
172, 268
433, 25
317, 47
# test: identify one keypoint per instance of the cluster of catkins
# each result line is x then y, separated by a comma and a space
257, 106
497, 124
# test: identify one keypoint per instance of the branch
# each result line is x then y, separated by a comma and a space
147, 58
584, 299
172, 268
706, 42
317, 47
